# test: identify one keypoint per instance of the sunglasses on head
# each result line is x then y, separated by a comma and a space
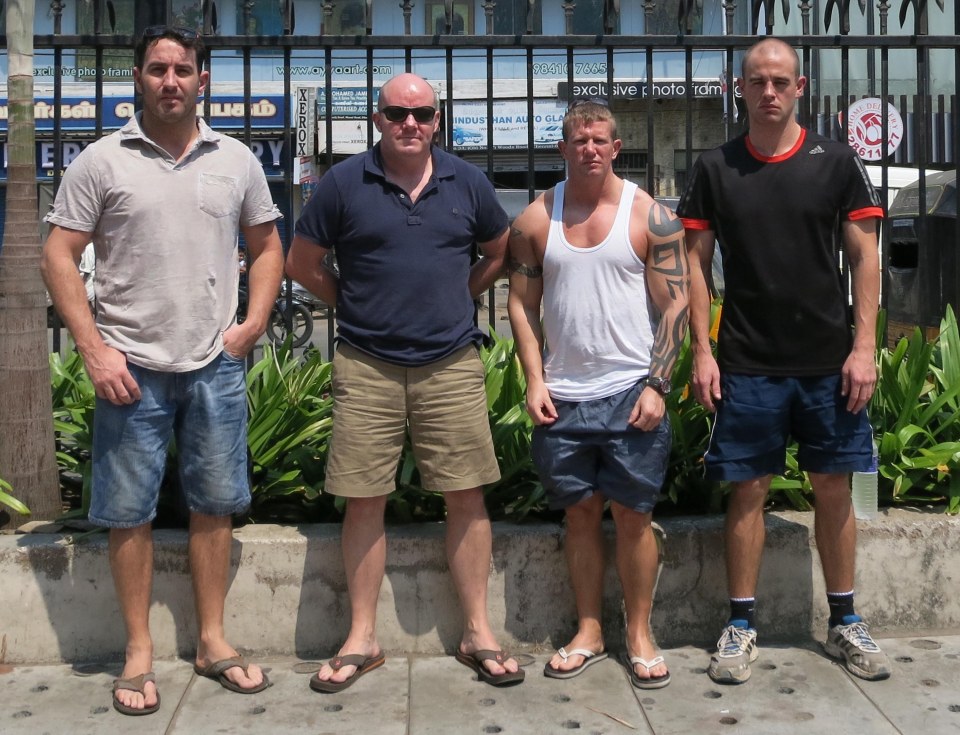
396, 114
185, 34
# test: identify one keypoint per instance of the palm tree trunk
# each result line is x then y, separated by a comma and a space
27, 451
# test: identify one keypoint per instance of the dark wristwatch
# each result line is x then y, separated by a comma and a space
660, 385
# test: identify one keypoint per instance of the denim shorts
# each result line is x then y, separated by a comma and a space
757, 416
591, 448
206, 411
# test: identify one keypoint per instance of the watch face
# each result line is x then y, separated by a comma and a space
660, 385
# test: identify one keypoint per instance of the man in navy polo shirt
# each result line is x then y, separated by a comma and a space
403, 219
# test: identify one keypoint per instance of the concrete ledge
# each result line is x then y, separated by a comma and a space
288, 593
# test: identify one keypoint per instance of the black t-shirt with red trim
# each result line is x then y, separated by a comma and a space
778, 224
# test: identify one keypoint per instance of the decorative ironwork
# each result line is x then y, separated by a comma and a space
768, 9
729, 9
56, 10
611, 11
685, 9
488, 7
648, 7
884, 8
327, 8
407, 8
568, 8
919, 13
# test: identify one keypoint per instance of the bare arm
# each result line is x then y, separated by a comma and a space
489, 268
305, 266
668, 281
859, 374
706, 373
264, 271
106, 366
527, 240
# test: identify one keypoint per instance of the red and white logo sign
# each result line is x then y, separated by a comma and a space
865, 128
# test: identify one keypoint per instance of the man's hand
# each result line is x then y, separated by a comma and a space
648, 411
858, 379
706, 380
539, 405
239, 339
111, 379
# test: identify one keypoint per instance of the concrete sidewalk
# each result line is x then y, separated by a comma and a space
794, 688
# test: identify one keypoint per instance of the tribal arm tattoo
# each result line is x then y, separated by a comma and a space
515, 266
668, 277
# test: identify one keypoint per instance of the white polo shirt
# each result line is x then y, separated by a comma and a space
165, 235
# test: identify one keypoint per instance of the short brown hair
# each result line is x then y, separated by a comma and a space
186, 37
584, 112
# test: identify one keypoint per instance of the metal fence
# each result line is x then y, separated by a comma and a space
931, 130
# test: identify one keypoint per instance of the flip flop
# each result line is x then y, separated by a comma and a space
475, 661
650, 682
135, 684
589, 659
216, 671
363, 663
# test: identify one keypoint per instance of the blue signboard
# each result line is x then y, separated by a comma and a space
80, 113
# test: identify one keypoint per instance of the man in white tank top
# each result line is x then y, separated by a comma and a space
609, 266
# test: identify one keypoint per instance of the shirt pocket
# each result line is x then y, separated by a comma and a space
219, 195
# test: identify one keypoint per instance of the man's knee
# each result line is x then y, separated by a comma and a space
586, 514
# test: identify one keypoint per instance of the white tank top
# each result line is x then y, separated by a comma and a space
598, 320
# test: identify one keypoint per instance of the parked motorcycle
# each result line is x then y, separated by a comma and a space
300, 317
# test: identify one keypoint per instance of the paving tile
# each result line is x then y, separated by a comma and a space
76, 700
375, 704
793, 689
446, 698
923, 694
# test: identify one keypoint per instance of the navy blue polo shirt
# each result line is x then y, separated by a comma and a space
404, 266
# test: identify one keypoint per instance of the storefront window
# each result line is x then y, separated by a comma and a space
436, 20
259, 18
116, 17
348, 19
188, 14
510, 16
588, 17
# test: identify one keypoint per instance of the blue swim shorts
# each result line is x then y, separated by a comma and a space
206, 410
591, 448
757, 415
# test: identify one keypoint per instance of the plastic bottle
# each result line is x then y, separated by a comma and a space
865, 491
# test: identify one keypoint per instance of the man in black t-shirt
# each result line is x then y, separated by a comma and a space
777, 199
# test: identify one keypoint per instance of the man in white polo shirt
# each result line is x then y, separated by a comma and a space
163, 200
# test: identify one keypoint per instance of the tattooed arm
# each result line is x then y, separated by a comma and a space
668, 281
528, 239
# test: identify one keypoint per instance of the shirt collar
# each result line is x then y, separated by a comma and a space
134, 131
442, 163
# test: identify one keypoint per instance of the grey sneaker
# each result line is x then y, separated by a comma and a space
736, 650
859, 653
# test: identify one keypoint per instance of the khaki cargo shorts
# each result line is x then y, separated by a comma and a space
443, 404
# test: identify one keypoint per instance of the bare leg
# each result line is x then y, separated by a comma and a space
835, 530
131, 562
210, 539
584, 551
364, 544
469, 546
745, 535
637, 562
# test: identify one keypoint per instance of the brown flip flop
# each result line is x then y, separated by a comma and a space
363, 663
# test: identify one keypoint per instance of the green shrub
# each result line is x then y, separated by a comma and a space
915, 413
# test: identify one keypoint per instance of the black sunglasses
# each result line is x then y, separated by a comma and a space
396, 114
186, 34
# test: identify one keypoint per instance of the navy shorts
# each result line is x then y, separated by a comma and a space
591, 448
757, 416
